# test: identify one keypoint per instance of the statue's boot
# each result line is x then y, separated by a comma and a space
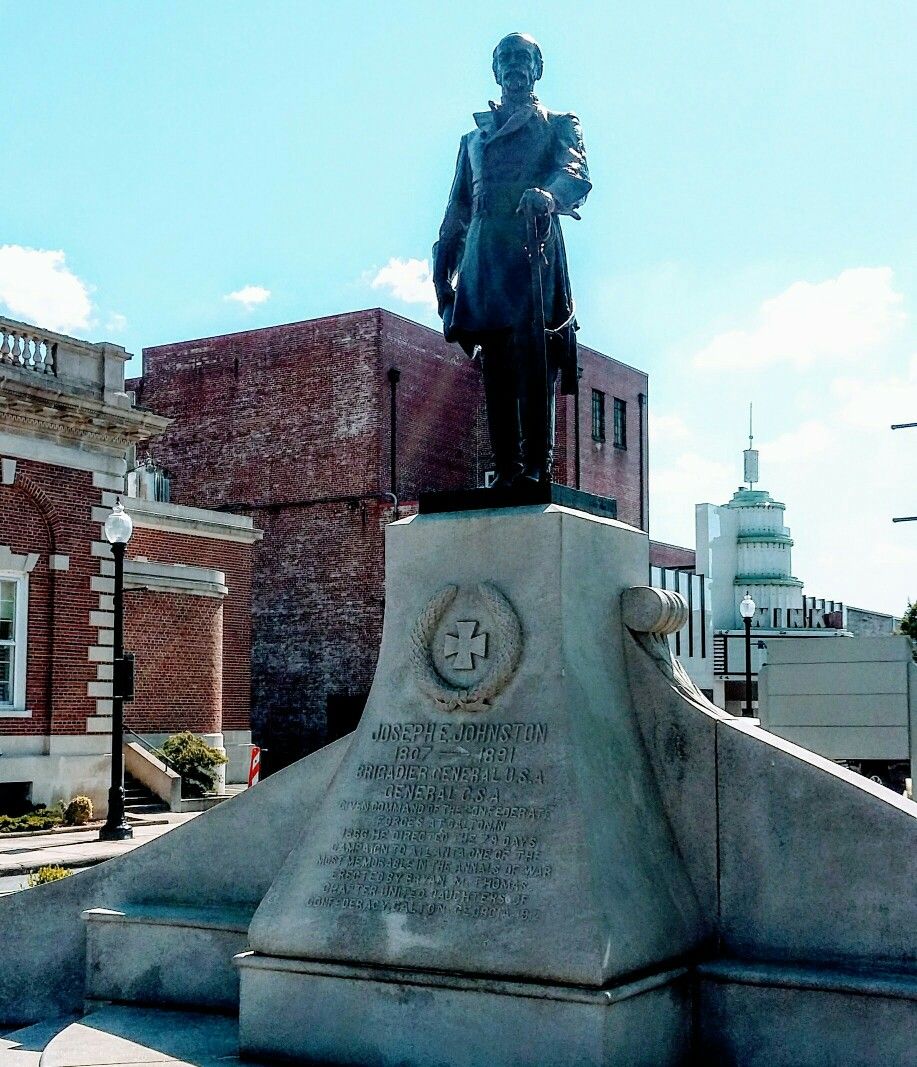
503, 416
538, 420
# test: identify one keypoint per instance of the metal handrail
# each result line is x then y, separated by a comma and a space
152, 750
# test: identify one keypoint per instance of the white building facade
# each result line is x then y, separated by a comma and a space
745, 547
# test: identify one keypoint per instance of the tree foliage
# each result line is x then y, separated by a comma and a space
194, 760
909, 621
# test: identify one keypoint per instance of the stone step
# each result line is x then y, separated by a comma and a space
23, 1048
170, 954
139, 800
126, 1034
144, 808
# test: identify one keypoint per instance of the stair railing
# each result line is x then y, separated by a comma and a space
153, 751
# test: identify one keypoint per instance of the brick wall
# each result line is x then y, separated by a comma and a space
317, 615
440, 411
48, 510
291, 425
663, 555
178, 642
234, 559
604, 468
24, 528
269, 417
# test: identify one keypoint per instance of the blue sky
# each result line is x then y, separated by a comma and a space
751, 234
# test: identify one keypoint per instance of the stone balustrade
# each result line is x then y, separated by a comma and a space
78, 367
24, 346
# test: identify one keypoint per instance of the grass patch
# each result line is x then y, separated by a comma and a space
39, 819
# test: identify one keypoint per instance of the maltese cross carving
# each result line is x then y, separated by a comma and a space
465, 645
500, 647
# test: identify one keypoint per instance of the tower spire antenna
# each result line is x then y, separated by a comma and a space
751, 453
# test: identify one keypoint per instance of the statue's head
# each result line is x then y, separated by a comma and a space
517, 63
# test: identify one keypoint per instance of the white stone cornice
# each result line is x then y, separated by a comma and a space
179, 518
41, 405
174, 578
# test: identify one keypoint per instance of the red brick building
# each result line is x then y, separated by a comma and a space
672, 557
67, 430
293, 425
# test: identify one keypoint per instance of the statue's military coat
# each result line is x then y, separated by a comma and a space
482, 238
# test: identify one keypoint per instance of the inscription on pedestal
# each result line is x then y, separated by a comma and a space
444, 817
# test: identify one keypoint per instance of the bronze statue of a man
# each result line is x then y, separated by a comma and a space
499, 266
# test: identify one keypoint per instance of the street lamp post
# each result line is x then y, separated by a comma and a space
118, 530
747, 611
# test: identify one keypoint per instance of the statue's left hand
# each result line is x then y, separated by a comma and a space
536, 202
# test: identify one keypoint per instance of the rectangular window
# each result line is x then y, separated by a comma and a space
598, 415
620, 423
12, 643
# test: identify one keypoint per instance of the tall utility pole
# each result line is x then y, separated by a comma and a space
904, 426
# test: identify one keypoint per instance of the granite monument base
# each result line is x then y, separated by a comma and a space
383, 1017
491, 865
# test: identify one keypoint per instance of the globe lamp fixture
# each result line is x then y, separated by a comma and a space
118, 525
747, 610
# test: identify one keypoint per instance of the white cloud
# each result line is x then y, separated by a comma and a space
116, 322
876, 404
809, 439
690, 478
667, 429
844, 318
249, 296
408, 280
36, 285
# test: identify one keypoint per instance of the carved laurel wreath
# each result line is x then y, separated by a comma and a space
508, 643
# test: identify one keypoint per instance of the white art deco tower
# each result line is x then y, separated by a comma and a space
748, 538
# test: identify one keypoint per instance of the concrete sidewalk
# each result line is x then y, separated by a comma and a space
122, 1035
21, 854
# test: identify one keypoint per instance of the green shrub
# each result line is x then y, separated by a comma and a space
47, 874
40, 819
195, 761
78, 812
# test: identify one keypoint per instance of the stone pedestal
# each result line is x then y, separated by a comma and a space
492, 855
334, 1014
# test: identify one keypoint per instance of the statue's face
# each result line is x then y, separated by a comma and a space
516, 65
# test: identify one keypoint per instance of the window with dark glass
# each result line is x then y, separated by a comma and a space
620, 423
598, 415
